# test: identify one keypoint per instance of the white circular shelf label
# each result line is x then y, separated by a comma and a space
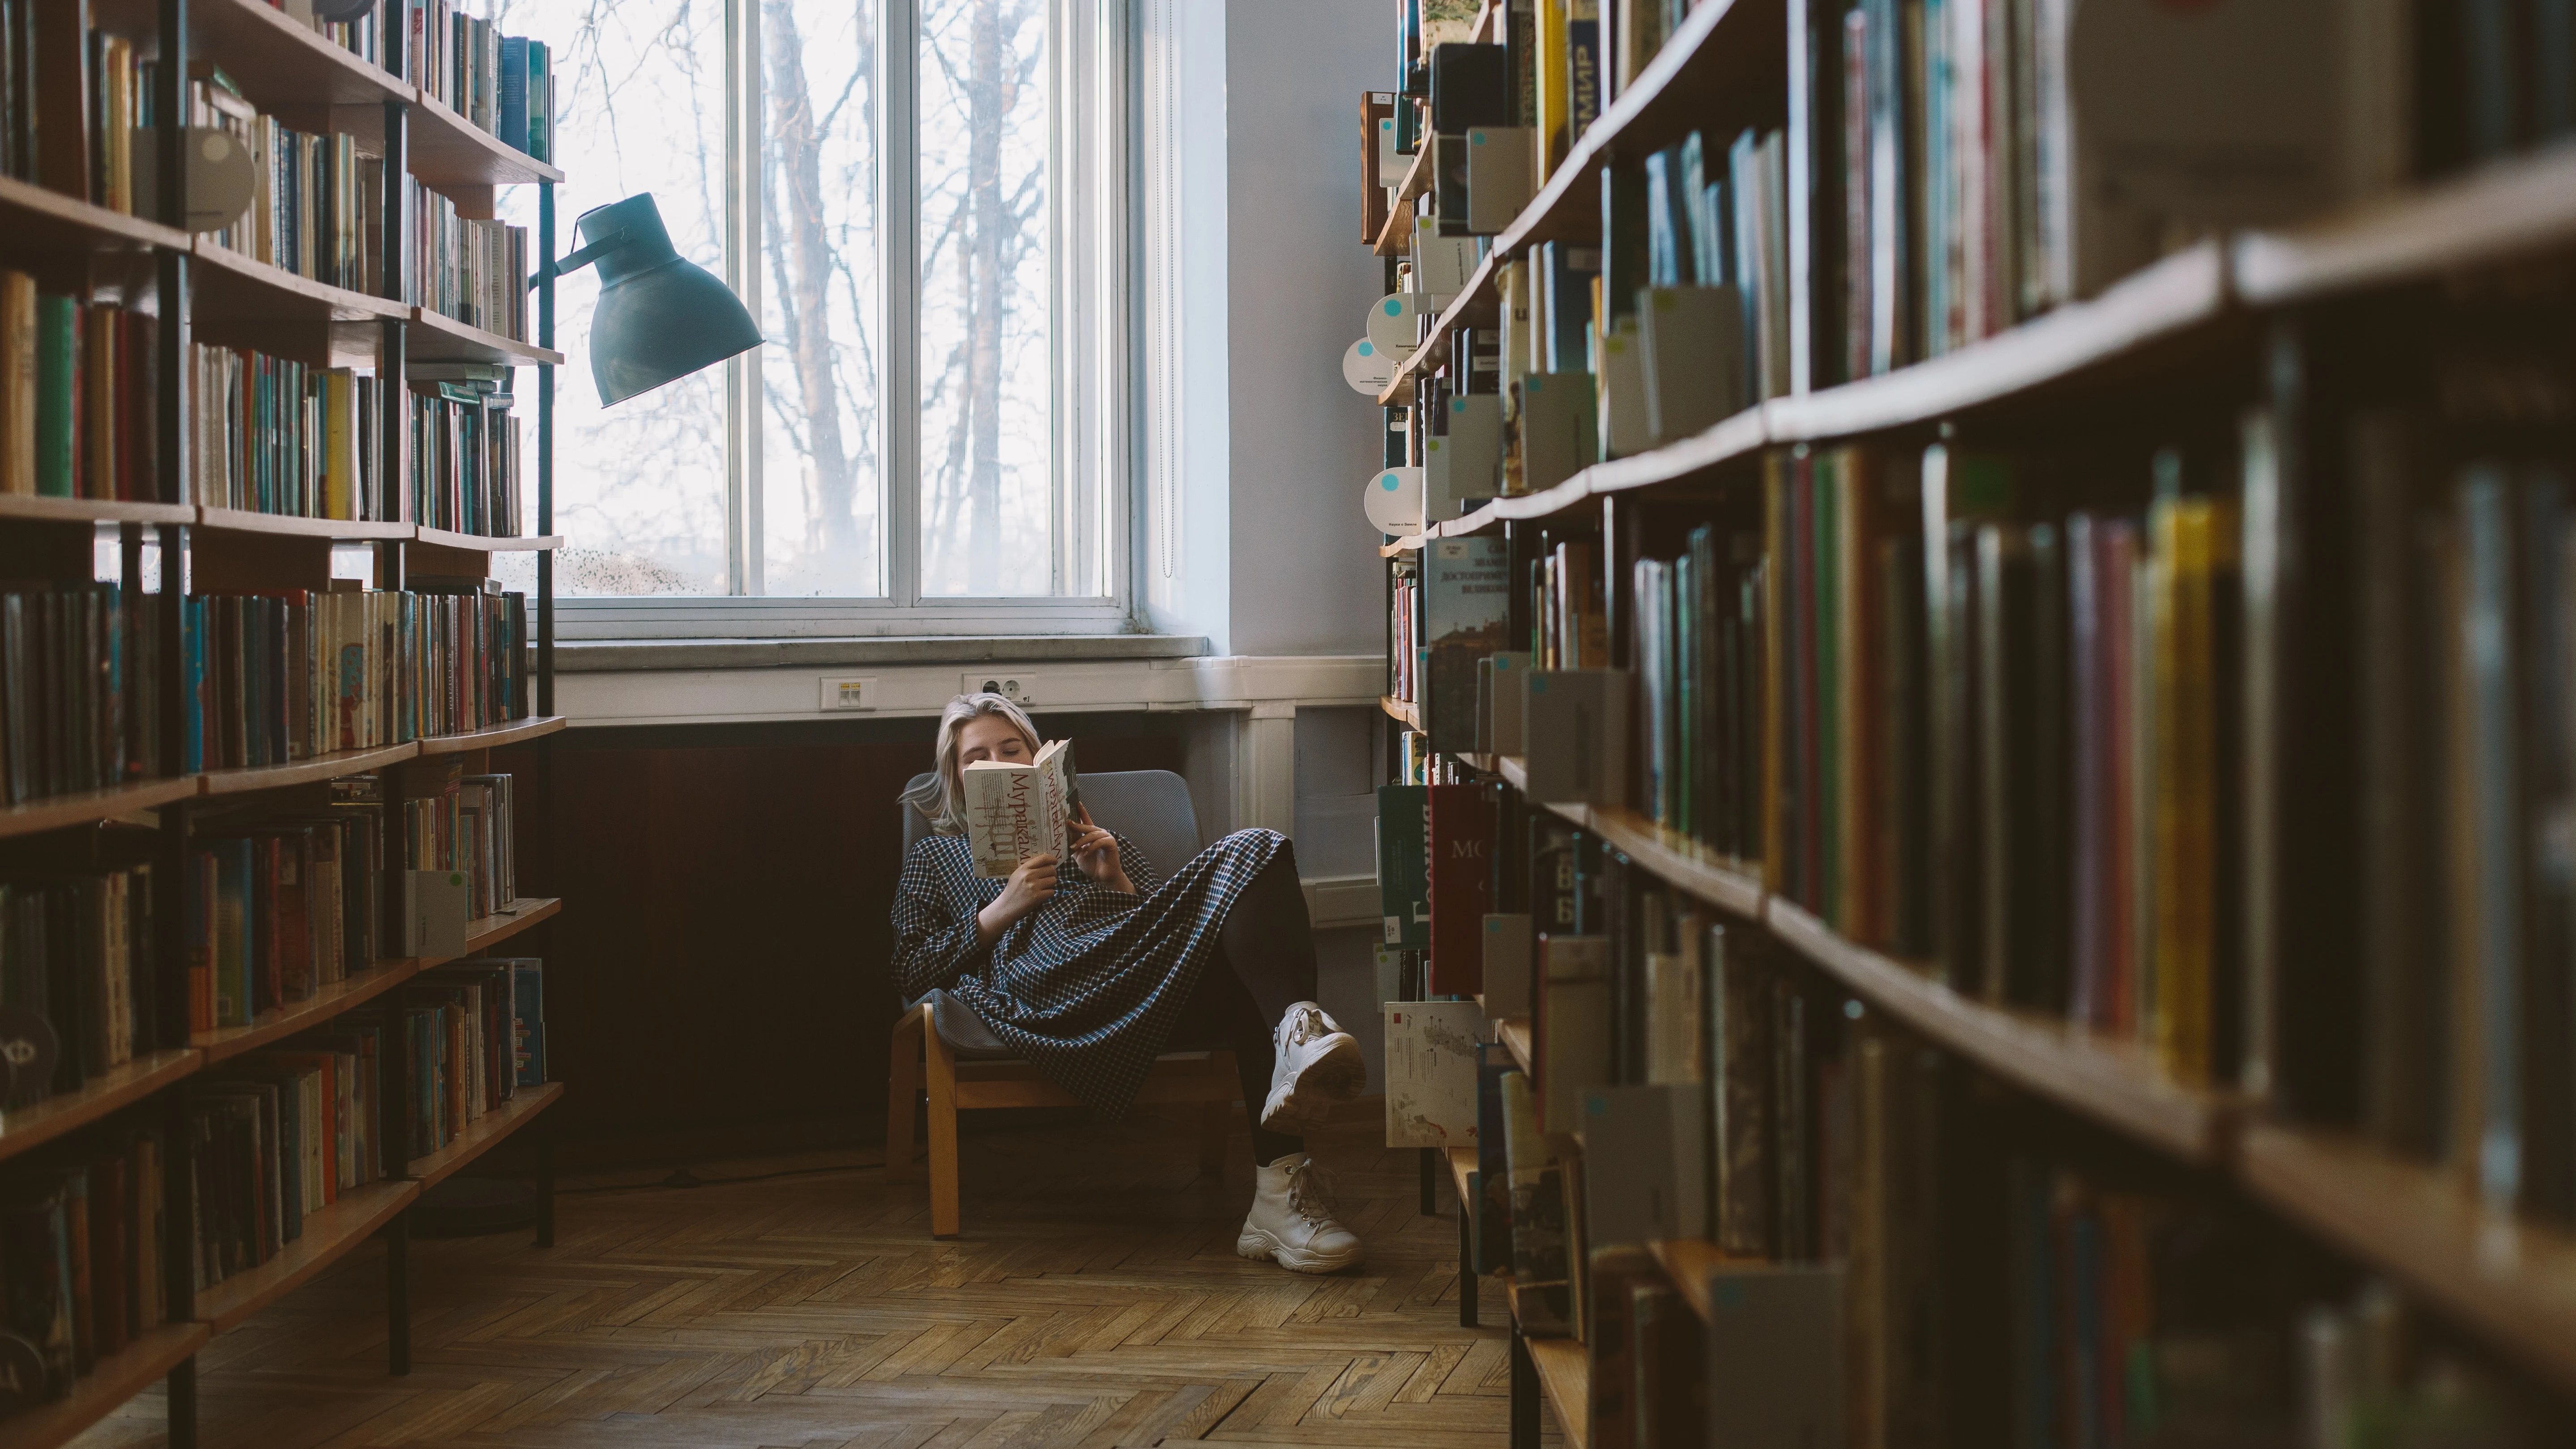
1394, 500
1367, 367
1394, 324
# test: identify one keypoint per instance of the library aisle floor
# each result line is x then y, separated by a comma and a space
1094, 1300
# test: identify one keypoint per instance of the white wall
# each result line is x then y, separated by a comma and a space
1304, 570
1264, 283
1299, 284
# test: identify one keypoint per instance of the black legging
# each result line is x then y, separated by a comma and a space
1268, 950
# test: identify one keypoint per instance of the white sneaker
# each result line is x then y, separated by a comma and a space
1316, 1064
1291, 1221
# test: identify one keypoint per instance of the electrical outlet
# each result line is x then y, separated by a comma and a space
848, 694
1019, 689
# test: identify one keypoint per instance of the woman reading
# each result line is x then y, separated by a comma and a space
1089, 972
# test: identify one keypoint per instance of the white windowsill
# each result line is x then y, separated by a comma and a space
601, 656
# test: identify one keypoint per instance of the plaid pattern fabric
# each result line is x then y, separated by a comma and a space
1089, 986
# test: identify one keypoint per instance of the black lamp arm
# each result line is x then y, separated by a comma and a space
575, 261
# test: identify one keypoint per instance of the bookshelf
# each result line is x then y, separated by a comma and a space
192, 766
2202, 357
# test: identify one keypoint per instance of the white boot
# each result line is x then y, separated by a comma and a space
1292, 1219
1316, 1064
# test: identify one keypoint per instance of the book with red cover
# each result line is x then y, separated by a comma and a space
1462, 836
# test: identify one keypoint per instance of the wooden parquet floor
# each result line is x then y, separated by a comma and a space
1094, 1300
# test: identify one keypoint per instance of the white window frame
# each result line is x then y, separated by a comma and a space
1092, 373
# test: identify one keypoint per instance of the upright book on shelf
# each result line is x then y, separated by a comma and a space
1466, 596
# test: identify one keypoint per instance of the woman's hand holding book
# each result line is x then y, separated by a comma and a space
1028, 888
1096, 851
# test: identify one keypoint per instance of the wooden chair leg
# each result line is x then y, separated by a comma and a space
1215, 1119
940, 1066
903, 1086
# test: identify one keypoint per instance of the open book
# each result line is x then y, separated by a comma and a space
1014, 811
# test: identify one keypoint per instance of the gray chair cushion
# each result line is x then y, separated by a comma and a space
964, 1031
1150, 807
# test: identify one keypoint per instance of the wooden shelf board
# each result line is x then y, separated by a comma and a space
105, 1388
1515, 771
1526, 506
1688, 1262
444, 339
1477, 299
1565, 1380
483, 1132
516, 732
304, 772
1722, 881
225, 1042
2512, 1280
245, 520
1462, 1166
2112, 1081
91, 510
448, 150
88, 806
528, 543
483, 934
232, 287
1396, 237
281, 64
2183, 292
46, 220
27, 1127
1410, 543
1734, 439
327, 1234
1514, 1033
1401, 711
2500, 212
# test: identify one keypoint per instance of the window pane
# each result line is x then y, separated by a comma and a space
986, 425
639, 106
822, 502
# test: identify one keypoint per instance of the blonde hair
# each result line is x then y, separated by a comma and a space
940, 798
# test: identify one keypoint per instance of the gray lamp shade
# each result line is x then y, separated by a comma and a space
659, 318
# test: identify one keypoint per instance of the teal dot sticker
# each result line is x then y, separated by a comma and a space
1394, 308
1476, 138
1367, 351
1532, 383
1388, 483
1457, 404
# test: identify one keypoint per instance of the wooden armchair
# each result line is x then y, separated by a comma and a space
942, 1048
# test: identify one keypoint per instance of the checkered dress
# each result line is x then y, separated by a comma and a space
1088, 986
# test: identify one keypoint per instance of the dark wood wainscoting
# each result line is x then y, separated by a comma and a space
719, 971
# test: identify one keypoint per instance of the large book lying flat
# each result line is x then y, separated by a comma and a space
1014, 811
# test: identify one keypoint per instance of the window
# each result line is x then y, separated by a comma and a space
921, 201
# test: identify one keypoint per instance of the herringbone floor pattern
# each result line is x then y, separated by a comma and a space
1094, 1299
